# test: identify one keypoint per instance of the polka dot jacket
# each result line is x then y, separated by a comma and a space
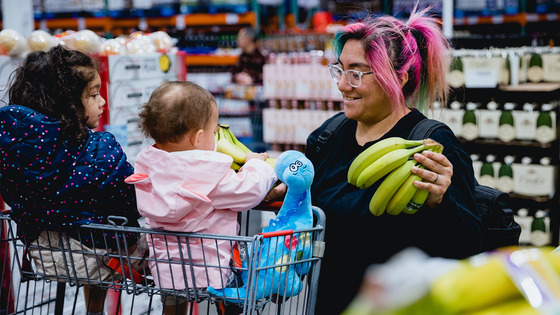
53, 185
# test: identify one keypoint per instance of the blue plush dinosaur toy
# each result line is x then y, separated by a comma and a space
297, 172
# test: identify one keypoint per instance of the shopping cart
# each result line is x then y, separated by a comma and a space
34, 288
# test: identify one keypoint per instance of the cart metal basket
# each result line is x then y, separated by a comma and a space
30, 283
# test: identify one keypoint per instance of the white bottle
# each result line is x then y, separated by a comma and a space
539, 230
545, 132
523, 219
470, 126
506, 129
505, 175
487, 177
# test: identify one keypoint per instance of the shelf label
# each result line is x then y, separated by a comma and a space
532, 17
552, 16
472, 20
180, 22
232, 18
143, 24
481, 72
81, 23
498, 19
551, 67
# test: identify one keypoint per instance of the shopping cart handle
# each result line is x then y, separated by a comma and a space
276, 233
111, 219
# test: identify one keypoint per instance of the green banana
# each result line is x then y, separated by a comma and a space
234, 166
403, 195
389, 186
226, 147
385, 164
225, 132
373, 153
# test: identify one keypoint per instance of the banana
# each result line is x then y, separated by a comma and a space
518, 306
226, 147
417, 201
373, 153
420, 196
271, 161
403, 195
476, 283
234, 166
384, 165
389, 186
236, 141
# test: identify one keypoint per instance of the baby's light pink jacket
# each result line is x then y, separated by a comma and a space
195, 191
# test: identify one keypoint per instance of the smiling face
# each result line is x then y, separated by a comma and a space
93, 102
367, 103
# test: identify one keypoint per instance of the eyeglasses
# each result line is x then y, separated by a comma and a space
354, 77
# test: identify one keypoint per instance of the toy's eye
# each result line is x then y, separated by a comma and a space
298, 163
293, 167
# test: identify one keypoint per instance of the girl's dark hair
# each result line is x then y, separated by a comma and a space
53, 84
174, 109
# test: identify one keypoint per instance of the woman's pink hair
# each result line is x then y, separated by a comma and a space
394, 48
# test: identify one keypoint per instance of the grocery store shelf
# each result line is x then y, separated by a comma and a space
218, 19
532, 87
179, 21
210, 60
521, 18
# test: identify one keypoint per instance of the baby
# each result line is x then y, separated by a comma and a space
183, 185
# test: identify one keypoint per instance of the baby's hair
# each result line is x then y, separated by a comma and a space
394, 48
53, 84
174, 109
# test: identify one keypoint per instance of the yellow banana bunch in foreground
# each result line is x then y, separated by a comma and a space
484, 281
228, 144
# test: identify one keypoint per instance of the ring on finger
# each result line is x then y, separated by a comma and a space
435, 180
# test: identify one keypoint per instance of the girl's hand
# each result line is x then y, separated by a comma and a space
253, 155
277, 192
437, 174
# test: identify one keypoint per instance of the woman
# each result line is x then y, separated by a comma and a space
386, 69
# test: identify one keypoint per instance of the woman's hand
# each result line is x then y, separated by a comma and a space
437, 174
277, 192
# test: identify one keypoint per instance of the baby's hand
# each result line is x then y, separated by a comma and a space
252, 155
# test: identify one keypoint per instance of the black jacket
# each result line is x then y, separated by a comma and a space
356, 239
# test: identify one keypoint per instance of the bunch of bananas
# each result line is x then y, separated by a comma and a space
228, 144
392, 158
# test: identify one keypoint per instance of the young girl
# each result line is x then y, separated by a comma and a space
56, 174
183, 185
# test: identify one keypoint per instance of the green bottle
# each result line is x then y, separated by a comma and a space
487, 172
505, 175
470, 128
539, 234
535, 71
506, 129
545, 132
456, 77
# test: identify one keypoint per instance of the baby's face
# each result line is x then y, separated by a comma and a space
208, 140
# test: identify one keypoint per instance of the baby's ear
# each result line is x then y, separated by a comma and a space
196, 137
